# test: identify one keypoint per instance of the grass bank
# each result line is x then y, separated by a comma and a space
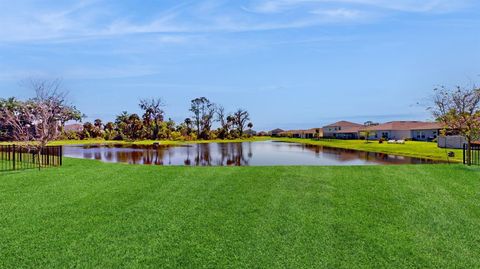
92, 214
146, 142
426, 150
150, 142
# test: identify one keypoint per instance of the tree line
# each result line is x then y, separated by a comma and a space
43, 117
152, 125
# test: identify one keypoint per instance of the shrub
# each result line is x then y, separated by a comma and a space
69, 135
177, 136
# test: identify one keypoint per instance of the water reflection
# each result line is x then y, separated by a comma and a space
235, 154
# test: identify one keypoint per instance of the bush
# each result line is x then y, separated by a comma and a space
177, 136
69, 135
109, 135
381, 140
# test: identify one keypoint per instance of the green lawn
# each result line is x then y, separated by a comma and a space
90, 214
427, 150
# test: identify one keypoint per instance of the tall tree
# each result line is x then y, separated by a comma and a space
39, 120
153, 115
110, 126
122, 122
459, 110
203, 114
223, 119
98, 123
134, 127
241, 117
11, 104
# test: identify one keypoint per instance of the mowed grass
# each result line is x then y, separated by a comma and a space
428, 150
89, 214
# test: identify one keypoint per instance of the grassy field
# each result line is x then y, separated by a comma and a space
410, 148
90, 214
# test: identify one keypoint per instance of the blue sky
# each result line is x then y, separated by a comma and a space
291, 63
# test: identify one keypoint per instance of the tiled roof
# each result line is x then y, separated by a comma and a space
309, 131
344, 124
404, 126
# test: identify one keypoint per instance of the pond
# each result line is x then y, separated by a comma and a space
267, 153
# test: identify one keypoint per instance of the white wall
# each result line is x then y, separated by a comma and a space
426, 133
451, 142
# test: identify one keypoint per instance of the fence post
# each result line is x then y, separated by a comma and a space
464, 154
13, 158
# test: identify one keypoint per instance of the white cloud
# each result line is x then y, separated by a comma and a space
339, 13
275, 6
90, 19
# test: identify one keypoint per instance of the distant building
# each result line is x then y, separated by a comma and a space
342, 130
73, 128
398, 130
276, 132
309, 134
250, 132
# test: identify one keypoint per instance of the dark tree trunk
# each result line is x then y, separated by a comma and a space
469, 152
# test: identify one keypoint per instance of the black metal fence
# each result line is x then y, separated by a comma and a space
15, 157
474, 154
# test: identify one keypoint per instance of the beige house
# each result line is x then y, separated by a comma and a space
342, 130
401, 130
309, 134
276, 132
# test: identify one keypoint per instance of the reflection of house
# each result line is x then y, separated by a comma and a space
310, 133
276, 132
342, 130
415, 130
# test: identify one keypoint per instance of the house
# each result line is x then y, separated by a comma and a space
401, 130
342, 130
291, 133
313, 133
73, 128
250, 132
309, 134
276, 132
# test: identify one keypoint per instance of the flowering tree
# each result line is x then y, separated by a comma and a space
39, 120
459, 110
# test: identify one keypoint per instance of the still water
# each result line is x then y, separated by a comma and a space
267, 153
